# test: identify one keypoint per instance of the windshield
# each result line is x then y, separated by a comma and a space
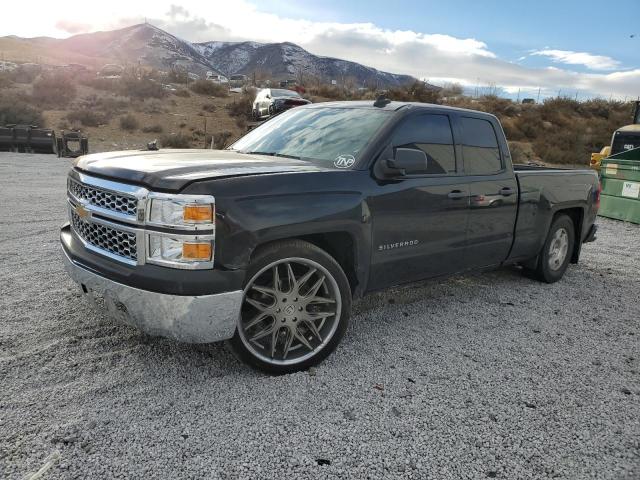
332, 135
277, 92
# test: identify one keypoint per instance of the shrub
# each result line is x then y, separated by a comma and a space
108, 106
241, 107
209, 107
5, 80
562, 146
86, 117
416, 92
129, 123
175, 141
177, 76
206, 87
452, 90
54, 90
182, 92
150, 106
241, 123
106, 84
153, 129
140, 88
13, 110
328, 91
25, 73
220, 139
498, 106
522, 153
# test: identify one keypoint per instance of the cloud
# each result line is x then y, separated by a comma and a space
474, 66
593, 62
73, 27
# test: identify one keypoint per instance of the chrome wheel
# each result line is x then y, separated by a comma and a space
558, 249
291, 310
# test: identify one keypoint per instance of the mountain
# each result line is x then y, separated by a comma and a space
144, 44
287, 60
147, 45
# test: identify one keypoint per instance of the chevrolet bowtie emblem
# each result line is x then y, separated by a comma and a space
82, 212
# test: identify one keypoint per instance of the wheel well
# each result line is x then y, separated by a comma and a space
576, 215
340, 245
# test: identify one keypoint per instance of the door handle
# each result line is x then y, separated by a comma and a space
506, 191
456, 194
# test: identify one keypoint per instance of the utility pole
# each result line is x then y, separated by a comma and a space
538, 101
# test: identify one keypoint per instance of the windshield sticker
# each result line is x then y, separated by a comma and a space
344, 161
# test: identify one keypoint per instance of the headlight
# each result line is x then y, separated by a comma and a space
192, 217
187, 252
176, 212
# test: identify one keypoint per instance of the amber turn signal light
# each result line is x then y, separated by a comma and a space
198, 213
196, 251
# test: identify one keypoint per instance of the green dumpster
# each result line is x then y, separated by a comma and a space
620, 179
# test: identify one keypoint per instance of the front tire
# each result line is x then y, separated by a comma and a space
556, 252
295, 310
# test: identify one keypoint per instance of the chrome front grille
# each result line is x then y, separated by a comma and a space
115, 202
117, 242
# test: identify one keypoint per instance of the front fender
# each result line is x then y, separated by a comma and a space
250, 222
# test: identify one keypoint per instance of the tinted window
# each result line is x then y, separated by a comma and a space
479, 147
431, 134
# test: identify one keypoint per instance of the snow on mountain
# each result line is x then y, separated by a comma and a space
288, 60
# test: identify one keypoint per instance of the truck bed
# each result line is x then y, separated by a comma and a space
543, 189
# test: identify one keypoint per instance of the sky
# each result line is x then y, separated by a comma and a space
574, 48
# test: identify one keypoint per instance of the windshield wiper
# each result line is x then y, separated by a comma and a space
274, 154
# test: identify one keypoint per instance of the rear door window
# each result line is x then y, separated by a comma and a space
430, 133
480, 147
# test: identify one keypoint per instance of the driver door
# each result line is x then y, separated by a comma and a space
419, 220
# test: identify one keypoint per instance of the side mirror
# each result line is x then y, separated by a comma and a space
267, 96
408, 159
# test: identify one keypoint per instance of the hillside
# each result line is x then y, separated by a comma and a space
139, 44
150, 46
287, 60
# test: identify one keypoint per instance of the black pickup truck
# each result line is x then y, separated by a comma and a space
265, 244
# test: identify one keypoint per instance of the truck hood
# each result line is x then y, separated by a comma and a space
172, 170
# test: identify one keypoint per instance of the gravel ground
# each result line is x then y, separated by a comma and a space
476, 376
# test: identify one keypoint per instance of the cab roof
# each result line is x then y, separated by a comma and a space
392, 106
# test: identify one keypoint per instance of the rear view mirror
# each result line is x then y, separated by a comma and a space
408, 160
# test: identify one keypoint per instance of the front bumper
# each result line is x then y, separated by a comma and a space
191, 319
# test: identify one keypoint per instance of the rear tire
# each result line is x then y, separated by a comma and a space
556, 252
295, 310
